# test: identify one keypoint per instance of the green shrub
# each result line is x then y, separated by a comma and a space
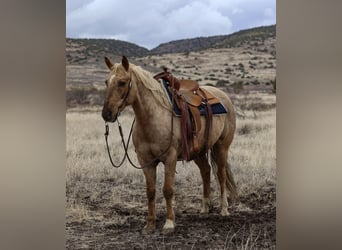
237, 86
221, 83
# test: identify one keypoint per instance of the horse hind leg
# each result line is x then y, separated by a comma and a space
203, 164
219, 155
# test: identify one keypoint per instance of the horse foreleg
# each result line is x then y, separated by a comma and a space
204, 167
150, 176
170, 170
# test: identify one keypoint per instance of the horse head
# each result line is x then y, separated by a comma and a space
118, 93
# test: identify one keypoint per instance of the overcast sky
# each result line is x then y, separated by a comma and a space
150, 22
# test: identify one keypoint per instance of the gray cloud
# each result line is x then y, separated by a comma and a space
149, 23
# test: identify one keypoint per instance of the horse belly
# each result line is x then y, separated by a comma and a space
217, 130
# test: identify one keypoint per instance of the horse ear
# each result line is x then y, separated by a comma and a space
108, 62
125, 63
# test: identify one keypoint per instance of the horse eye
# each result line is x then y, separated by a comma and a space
121, 84
106, 82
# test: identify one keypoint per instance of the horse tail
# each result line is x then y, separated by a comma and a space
230, 183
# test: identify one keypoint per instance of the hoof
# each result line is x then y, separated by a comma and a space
169, 227
168, 231
204, 210
206, 206
148, 229
224, 212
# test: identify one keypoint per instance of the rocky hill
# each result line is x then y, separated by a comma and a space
79, 51
237, 39
187, 45
241, 62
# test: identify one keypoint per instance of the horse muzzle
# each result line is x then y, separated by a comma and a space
108, 115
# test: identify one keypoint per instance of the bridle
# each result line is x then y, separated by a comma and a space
127, 94
126, 145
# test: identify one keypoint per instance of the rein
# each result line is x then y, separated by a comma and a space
126, 145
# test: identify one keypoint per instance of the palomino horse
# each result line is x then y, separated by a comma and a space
155, 140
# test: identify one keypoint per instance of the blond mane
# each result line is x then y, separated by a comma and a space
151, 84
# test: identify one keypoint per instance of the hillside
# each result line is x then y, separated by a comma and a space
91, 50
187, 45
80, 51
238, 68
237, 39
241, 62
247, 36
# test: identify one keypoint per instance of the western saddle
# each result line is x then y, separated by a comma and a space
188, 96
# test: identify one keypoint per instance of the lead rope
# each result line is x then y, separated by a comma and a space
126, 145
122, 141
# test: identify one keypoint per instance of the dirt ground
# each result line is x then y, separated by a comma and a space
251, 224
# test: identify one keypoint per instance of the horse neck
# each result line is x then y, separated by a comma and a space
145, 107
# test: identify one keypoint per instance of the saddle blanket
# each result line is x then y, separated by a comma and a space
217, 108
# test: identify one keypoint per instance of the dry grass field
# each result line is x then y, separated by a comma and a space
107, 207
